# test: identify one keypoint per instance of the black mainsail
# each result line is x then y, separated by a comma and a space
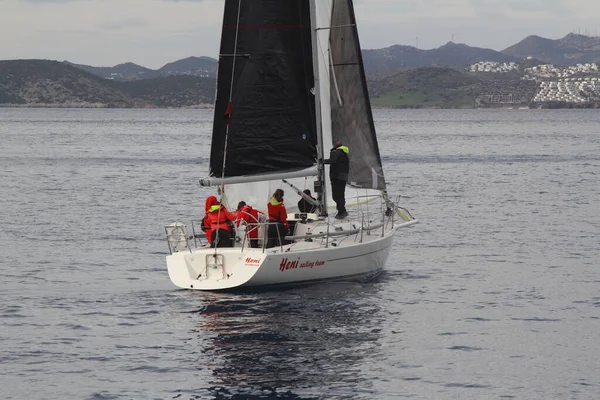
265, 111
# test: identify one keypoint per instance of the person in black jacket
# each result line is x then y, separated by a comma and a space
338, 174
304, 206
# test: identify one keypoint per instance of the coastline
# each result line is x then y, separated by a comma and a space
546, 106
100, 105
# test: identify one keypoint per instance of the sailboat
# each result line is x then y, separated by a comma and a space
291, 83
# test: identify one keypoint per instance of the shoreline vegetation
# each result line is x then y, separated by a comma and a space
101, 106
546, 106
211, 106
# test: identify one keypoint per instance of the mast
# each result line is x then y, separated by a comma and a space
320, 186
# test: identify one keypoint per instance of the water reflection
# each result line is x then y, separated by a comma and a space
303, 343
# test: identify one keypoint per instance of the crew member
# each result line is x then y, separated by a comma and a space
278, 225
206, 226
221, 223
304, 206
251, 217
338, 174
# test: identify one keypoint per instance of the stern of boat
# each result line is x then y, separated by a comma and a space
207, 269
316, 249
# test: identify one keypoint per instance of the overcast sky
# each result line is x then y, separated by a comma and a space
155, 32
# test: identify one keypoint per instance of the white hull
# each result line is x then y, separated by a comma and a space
361, 254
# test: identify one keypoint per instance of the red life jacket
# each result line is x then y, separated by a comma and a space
277, 212
250, 215
220, 218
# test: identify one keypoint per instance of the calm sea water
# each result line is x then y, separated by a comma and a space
495, 294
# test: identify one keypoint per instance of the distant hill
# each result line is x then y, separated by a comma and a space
398, 57
377, 62
424, 87
572, 49
173, 91
398, 76
122, 72
43, 82
53, 82
198, 66
205, 67
442, 87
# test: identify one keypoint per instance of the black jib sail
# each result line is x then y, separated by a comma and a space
265, 110
352, 119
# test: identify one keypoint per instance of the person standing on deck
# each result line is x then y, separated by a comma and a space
278, 225
338, 175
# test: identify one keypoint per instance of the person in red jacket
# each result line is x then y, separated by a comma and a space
221, 223
278, 225
210, 200
251, 217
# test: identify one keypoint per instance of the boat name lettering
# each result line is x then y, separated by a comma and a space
253, 261
295, 264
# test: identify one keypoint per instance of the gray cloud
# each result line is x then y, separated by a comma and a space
53, 1
555, 8
154, 32
125, 23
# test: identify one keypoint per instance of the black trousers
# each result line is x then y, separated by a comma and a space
253, 242
222, 240
276, 234
338, 193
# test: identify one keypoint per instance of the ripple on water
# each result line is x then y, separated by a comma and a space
507, 243
464, 348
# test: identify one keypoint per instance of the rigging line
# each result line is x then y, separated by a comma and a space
308, 72
237, 32
323, 50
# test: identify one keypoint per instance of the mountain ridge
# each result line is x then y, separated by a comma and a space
54, 83
197, 66
43, 83
448, 55
571, 49
402, 76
